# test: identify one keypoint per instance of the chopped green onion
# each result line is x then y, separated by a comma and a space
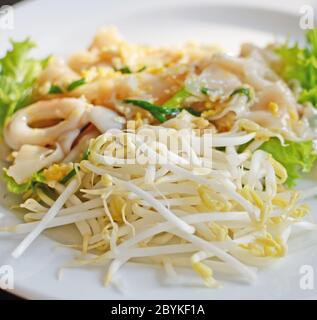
55, 90
204, 90
76, 84
178, 99
69, 175
193, 112
125, 70
160, 113
243, 91
141, 69
86, 154
72, 173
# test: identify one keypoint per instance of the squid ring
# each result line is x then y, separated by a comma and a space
70, 112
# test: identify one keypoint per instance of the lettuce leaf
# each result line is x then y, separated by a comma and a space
17, 188
300, 64
18, 74
296, 157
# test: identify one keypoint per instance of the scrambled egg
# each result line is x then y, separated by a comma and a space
57, 172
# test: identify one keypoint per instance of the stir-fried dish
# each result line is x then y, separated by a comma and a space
178, 157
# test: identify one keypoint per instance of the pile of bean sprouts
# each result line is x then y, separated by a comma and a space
217, 212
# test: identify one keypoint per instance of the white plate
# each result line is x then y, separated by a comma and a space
60, 27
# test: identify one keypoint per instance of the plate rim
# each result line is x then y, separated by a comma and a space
26, 292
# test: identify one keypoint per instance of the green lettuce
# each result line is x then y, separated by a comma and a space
21, 188
18, 74
300, 64
296, 157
